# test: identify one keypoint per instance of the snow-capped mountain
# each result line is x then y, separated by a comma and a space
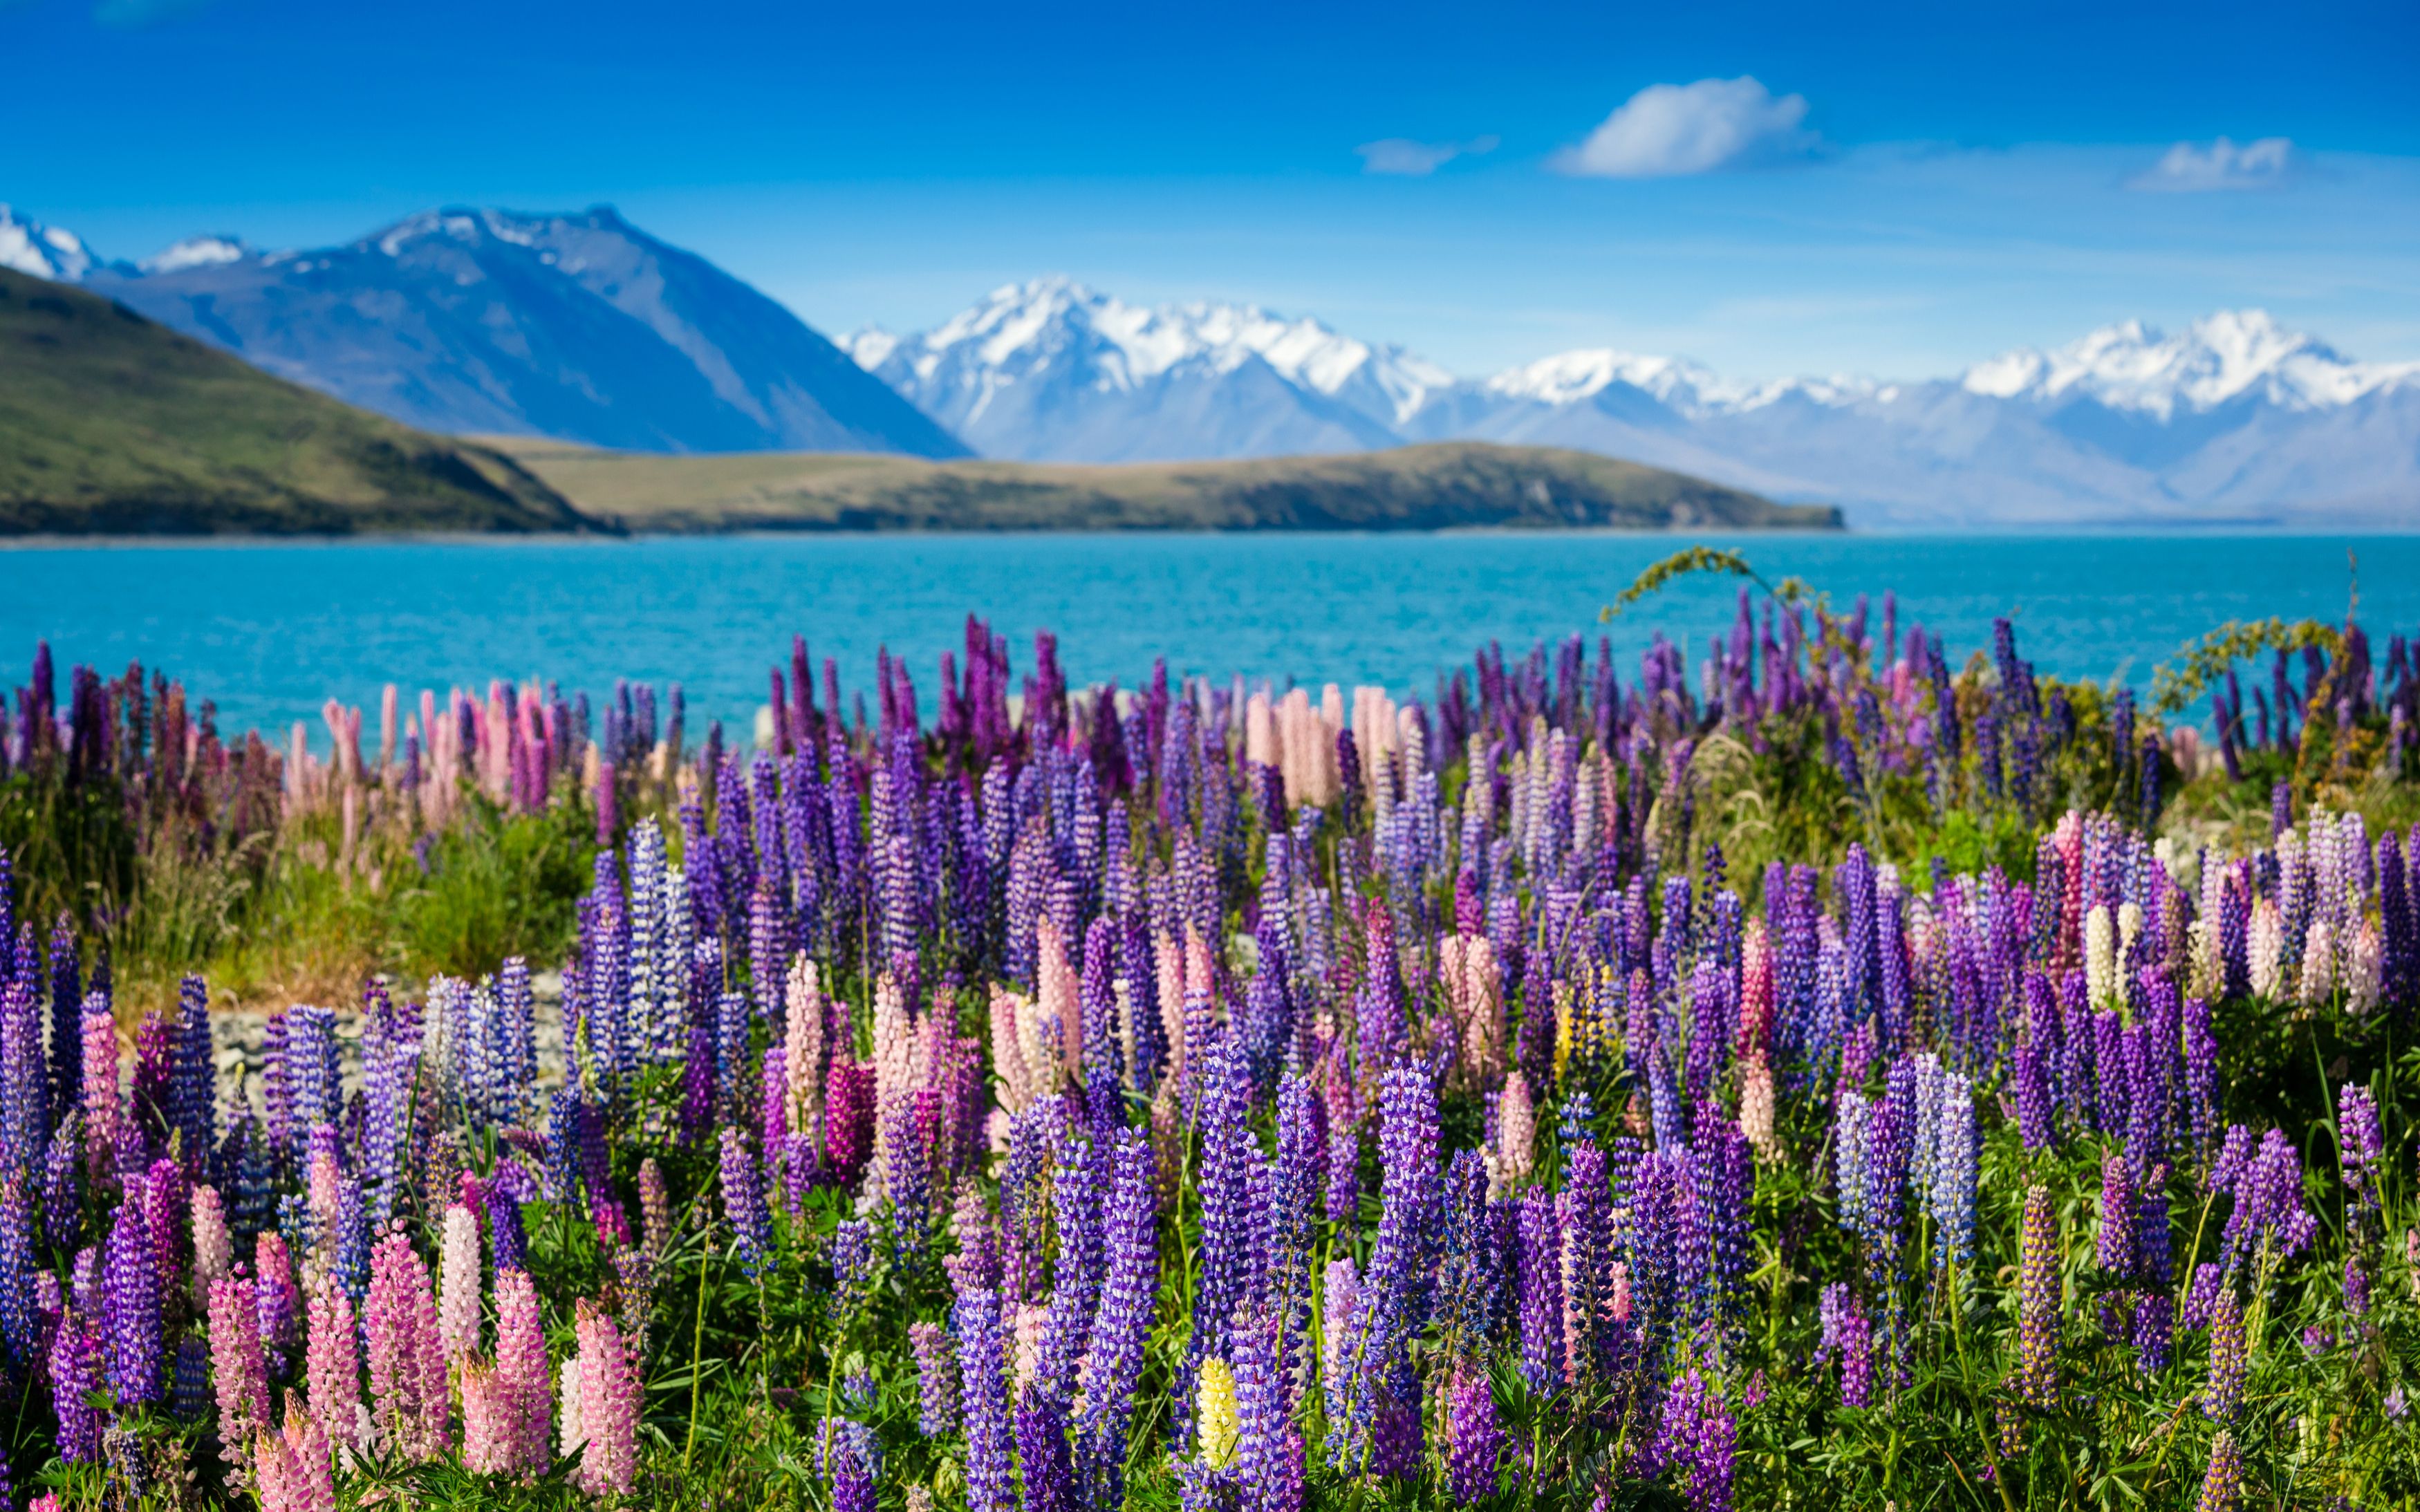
2233, 420
44, 251
1052, 369
579, 327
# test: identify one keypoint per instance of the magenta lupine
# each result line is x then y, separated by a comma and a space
609, 1406
237, 1362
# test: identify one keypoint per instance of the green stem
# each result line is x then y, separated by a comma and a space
1966, 1379
696, 1348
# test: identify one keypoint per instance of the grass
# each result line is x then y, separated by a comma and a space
109, 422
1412, 488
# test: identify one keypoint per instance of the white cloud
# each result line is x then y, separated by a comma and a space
2193, 167
1417, 160
1668, 129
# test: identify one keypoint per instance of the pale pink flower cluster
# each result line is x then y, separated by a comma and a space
407, 1357
237, 1363
1474, 991
606, 1387
457, 1287
104, 1113
213, 1246
292, 1470
333, 1363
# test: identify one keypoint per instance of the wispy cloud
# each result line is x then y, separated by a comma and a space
129, 15
1667, 131
2203, 167
1417, 160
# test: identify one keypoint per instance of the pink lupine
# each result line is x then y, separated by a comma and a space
313, 1485
237, 1362
521, 1368
334, 1365
407, 1357
213, 1246
490, 1423
458, 1288
609, 1406
105, 1111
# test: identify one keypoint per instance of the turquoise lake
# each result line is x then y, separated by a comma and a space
269, 630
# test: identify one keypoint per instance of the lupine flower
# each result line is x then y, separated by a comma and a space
1849, 1338
133, 1290
407, 1357
458, 1284
936, 1380
2222, 1483
1474, 1438
850, 1459
76, 1375
238, 1362
2038, 1307
982, 1357
2223, 1398
521, 1370
334, 1365
743, 1204
609, 1407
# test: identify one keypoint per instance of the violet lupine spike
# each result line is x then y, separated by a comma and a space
131, 1290
983, 1360
851, 1458
76, 1374
936, 1380
1542, 1293
1394, 1299
1475, 1439
743, 1204
2038, 1307
1121, 1326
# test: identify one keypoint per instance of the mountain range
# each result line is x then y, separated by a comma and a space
2232, 421
581, 327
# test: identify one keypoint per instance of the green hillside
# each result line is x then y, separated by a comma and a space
111, 423
1457, 485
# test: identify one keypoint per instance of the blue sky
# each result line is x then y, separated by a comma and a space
1769, 189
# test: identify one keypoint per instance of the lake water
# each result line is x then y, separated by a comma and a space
269, 630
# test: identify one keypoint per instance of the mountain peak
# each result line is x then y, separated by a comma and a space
44, 250
2221, 357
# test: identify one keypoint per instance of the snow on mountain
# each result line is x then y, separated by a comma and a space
2216, 360
44, 251
1051, 368
578, 326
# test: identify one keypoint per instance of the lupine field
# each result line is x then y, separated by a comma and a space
1809, 1072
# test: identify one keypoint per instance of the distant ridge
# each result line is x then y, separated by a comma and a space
110, 423
574, 326
1441, 486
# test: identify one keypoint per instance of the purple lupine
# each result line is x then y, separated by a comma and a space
2037, 1304
851, 1458
1542, 1293
76, 1373
936, 1380
130, 1293
743, 1204
2222, 1398
1847, 1338
20, 1325
1122, 1324
983, 1358
1698, 1442
1475, 1438
1394, 1300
